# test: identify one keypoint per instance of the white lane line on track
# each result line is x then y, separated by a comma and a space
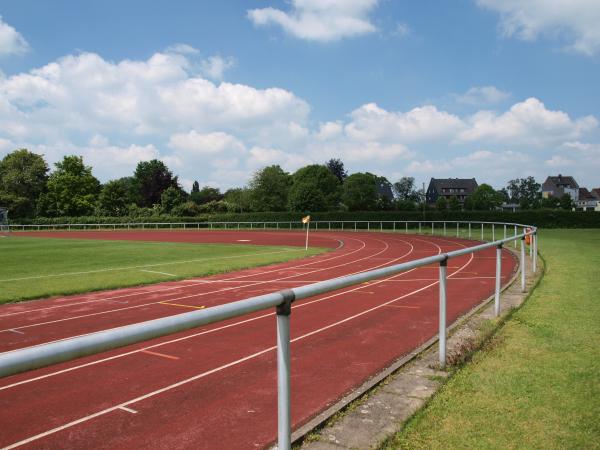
160, 273
41, 377
12, 330
251, 283
129, 410
180, 284
217, 369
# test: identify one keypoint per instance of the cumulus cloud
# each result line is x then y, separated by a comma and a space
576, 21
11, 41
482, 95
215, 66
528, 122
205, 144
320, 20
370, 122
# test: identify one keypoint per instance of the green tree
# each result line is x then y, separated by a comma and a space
485, 198
336, 167
441, 204
314, 178
306, 197
206, 194
72, 189
404, 189
566, 202
550, 202
170, 198
238, 199
151, 179
454, 204
269, 189
23, 177
360, 192
525, 191
115, 197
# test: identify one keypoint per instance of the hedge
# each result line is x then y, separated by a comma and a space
541, 218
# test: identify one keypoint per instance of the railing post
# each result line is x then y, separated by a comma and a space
469, 230
498, 275
442, 313
406, 228
284, 425
493, 232
457, 229
534, 266
432, 228
482, 232
523, 265
419, 227
515, 241
393, 226
504, 231
444, 228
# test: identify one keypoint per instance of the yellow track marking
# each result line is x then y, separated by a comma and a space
183, 306
162, 355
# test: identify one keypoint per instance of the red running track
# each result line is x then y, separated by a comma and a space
215, 386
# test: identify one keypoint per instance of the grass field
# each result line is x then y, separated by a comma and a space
536, 384
38, 267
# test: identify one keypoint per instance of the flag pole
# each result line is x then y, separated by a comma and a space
307, 227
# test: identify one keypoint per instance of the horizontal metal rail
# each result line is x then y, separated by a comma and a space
42, 355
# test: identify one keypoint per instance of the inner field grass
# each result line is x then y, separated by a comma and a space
40, 267
536, 384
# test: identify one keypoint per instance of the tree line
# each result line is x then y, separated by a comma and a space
28, 189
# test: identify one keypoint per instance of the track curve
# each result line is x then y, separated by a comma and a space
215, 386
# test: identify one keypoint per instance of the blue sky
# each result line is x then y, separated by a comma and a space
492, 89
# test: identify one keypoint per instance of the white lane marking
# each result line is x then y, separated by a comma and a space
129, 410
12, 330
217, 369
160, 273
252, 283
41, 377
243, 240
183, 286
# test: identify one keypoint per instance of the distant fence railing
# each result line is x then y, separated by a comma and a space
42, 355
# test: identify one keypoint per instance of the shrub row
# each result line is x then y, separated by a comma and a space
540, 218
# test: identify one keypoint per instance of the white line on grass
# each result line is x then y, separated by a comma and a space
160, 273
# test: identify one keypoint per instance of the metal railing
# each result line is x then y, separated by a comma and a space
42, 355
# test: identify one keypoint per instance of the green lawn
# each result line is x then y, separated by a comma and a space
537, 383
37, 267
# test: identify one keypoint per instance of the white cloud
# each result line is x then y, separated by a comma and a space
215, 66
370, 122
574, 20
401, 30
528, 122
320, 20
205, 144
558, 161
482, 95
11, 41
261, 157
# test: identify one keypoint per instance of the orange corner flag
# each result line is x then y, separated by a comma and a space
306, 219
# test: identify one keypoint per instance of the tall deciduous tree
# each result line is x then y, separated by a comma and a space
205, 195
525, 191
115, 197
23, 177
72, 189
152, 178
239, 199
269, 189
171, 197
314, 188
485, 198
404, 189
336, 167
360, 192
